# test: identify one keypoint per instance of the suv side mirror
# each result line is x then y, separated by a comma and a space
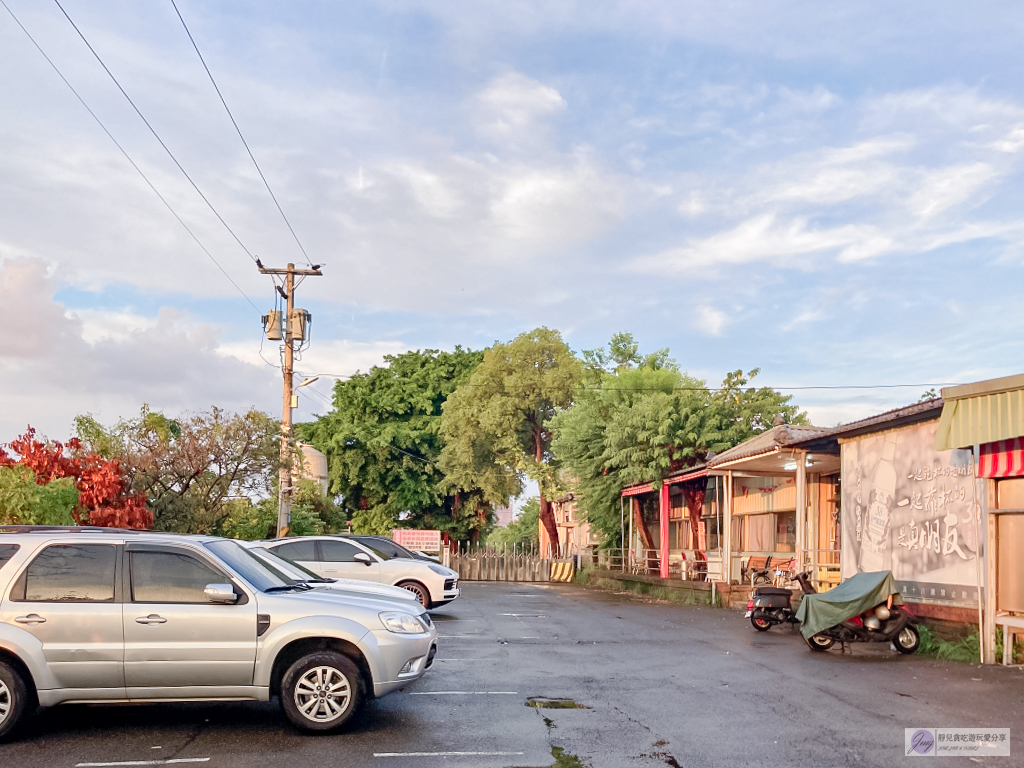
362, 557
221, 593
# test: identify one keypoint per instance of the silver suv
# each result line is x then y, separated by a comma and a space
101, 615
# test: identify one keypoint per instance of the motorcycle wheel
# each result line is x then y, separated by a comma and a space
820, 642
907, 640
761, 625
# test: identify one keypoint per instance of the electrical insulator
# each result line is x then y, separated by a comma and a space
297, 322
272, 325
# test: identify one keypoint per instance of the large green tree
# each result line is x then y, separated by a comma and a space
644, 418
190, 467
23, 501
382, 440
495, 426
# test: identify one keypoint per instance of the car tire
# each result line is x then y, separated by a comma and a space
820, 642
908, 640
321, 691
419, 590
14, 699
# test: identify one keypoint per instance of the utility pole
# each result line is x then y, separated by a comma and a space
290, 328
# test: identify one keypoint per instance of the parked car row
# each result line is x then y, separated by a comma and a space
106, 615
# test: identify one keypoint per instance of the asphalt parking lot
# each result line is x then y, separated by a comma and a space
661, 685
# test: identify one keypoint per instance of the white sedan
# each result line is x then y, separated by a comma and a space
364, 559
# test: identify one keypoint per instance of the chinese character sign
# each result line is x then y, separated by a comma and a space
912, 510
415, 539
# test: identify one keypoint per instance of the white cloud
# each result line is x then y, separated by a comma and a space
943, 188
1013, 142
50, 372
512, 106
710, 320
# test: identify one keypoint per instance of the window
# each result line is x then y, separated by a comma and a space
297, 550
758, 533
785, 532
387, 549
7, 552
73, 573
245, 564
335, 551
170, 577
711, 532
1010, 493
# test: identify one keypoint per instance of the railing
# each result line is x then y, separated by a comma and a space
516, 563
825, 572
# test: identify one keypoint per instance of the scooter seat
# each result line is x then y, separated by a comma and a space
773, 591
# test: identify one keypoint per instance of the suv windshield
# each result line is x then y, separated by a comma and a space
255, 571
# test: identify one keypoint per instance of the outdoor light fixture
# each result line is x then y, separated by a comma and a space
308, 380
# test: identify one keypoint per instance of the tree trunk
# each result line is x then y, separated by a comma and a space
638, 520
547, 519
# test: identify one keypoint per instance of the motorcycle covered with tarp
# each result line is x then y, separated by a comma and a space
866, 607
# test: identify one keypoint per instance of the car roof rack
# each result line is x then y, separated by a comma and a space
71, 529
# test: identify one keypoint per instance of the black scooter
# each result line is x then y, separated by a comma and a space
883, 624
773, 605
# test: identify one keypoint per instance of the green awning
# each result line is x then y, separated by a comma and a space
974, 414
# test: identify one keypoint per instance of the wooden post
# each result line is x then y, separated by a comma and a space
801, 510
663, 511
726, 531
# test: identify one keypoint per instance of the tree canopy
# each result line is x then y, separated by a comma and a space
645, 419
103, 495
495, 426
382, 440
190, 467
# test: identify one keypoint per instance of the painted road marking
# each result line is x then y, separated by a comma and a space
526, 615
446, 754
464, 693
171, 761
450, 637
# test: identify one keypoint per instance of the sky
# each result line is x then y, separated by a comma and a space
830, 193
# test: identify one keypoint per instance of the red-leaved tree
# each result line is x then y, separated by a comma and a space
104, 495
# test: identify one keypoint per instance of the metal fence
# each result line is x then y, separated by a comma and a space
508, 564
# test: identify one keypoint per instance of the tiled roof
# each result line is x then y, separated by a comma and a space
908, 414
777, 437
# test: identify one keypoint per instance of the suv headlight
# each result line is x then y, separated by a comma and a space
402, 623
440, 569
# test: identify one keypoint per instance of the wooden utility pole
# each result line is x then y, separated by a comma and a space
292, 327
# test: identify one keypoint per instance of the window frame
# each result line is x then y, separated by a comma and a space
198, 554
19, 587
358, 549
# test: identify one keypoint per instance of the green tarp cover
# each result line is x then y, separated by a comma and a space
851, 598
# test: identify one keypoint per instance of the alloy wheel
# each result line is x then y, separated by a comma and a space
5, 701
322, 694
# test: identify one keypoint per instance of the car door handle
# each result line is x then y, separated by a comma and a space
151, 619
32, 618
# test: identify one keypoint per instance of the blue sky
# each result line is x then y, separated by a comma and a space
830, 193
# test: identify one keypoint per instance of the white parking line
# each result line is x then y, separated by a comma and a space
171, 761
527, 615
446, 754
464, 693
450, 637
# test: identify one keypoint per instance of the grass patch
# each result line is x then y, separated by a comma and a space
582, 577
564, 760
966, 650
681, 596
539, 702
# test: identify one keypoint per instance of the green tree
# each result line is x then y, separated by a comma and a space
382, 441
521, 531
495, 426
190, 467
646, 419
312, 513
23, 501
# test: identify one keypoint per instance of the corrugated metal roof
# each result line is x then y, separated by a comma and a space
679, 476
984, 412
908, 414
775, 438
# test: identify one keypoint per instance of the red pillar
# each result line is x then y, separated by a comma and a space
663, 520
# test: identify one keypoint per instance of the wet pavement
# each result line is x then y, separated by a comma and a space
614, 681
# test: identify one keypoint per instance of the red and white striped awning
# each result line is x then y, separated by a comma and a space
1004, 458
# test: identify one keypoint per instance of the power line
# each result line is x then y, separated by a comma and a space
239, 132
125, 153
153, 131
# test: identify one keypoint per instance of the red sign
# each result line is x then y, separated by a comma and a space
412, 538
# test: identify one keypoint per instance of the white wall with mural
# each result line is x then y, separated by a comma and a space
912, 510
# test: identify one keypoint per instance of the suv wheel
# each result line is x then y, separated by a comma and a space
419, 590
321, 691
13, 699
